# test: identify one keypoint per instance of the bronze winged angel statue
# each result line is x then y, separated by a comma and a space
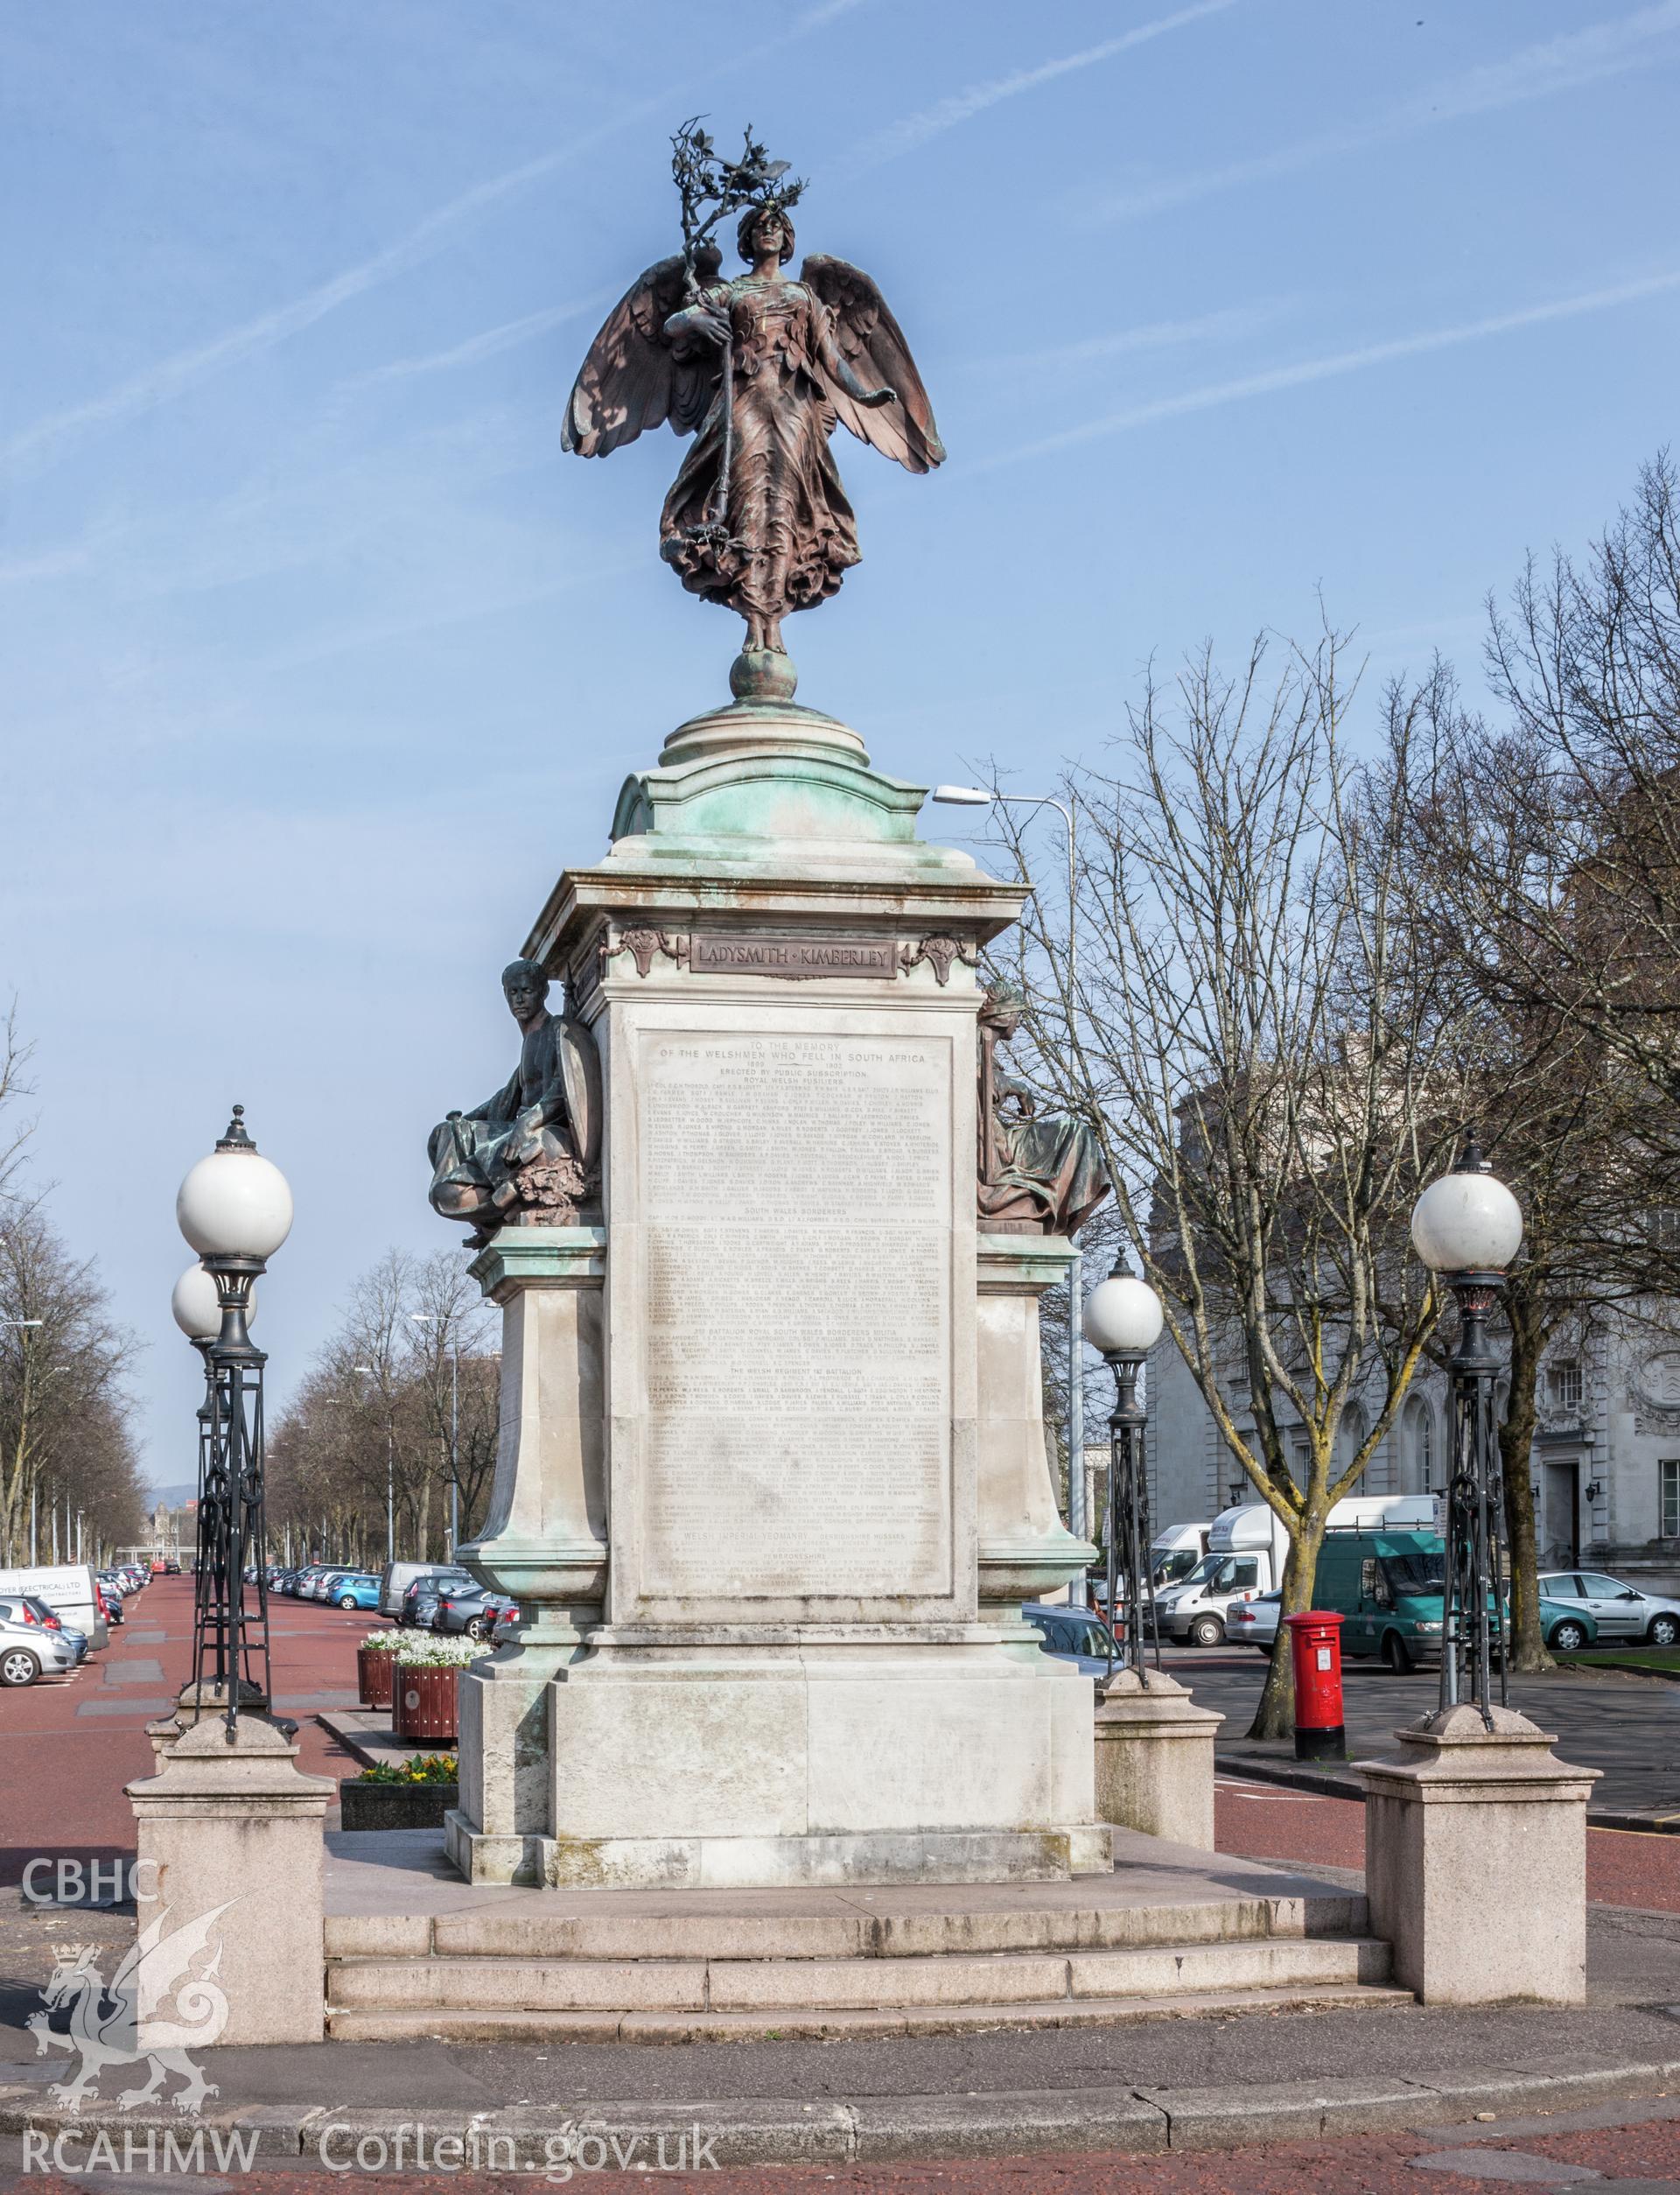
760, 369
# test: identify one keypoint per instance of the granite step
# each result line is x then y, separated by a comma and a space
469, 1984
787, 1932
514, 2024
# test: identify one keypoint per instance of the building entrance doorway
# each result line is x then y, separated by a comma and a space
1560, 1534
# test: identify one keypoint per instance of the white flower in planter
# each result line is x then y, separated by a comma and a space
439, 1653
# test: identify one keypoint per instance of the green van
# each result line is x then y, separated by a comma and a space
1388, 1587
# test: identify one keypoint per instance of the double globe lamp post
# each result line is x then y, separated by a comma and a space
1123, 1321
235, 1209
1466, 1227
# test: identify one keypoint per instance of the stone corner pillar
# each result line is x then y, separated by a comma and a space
229, 1836
1475, 1861
544, 1540
1024, 1549
1155, 1758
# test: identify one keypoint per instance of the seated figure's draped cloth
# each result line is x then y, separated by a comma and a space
1038, 1172
476, 1172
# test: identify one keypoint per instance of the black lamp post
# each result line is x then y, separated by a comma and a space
235, 1209
1466, 1228
1122, 1320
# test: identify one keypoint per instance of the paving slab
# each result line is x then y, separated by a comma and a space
140, 1671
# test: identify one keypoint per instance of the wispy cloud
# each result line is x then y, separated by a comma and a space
489, 344
946, 113
172, 377
1224, 327
1557, 64
1329, 367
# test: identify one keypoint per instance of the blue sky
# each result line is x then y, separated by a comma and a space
317, 661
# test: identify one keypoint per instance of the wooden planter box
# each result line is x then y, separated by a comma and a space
374, 1667
422, 1703
396, 1805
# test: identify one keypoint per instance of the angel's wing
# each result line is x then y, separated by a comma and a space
872, 343
633, 378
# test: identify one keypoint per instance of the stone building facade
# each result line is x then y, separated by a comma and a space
1605, 1462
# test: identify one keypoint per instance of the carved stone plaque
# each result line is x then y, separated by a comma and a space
796, 1198
724, 953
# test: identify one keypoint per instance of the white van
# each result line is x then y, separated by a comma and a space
1246, 1548
1172, 1555
68, 1589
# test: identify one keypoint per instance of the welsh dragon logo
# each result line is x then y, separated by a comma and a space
154, 1989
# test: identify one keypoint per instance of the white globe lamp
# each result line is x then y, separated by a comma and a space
1122, 1316
1468, 1221
197, 1305
235, 1204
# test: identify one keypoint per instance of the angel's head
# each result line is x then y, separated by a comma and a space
764, 229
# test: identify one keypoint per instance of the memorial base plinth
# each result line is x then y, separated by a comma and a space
1476, 1862
229, 1838
1155, 1759
506, 1753
802, 1762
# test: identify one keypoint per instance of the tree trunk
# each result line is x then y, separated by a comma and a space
1274, 1717
1530, 1330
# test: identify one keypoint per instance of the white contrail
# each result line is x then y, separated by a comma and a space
1337, 362
960, 106
1221, 326
491, 341
1538, 71
173, 377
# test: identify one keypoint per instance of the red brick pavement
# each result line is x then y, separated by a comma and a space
1267, 1822
62, 1773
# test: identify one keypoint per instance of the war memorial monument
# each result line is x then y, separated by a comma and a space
772, 1480
769, 1220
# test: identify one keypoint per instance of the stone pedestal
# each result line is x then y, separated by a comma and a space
1024, 1549
1476, 1862
1155, 1759
229, 1836
783, 1675
196, 1702
544, 1540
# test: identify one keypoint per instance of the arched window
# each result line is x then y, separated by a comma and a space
1417, 1450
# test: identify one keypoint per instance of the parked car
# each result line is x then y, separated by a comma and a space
1616, 1609
1255, 1622
1566, 1626
28, 1648
68, 1589
355, 1589
1073, 1634
398, 1580
473, 1610
420, 1599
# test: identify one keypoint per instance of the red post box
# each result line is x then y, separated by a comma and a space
1315, 1647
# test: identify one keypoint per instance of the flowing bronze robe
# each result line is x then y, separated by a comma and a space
790, 532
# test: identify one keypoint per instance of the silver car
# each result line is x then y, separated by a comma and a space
1621, 1611
1255, 1622
28, 1650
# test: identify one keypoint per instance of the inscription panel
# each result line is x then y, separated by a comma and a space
712, 952
796, 1198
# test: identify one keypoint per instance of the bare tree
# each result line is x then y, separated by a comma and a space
1269, 1062
374, 1416
62, 1409
1569, 814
